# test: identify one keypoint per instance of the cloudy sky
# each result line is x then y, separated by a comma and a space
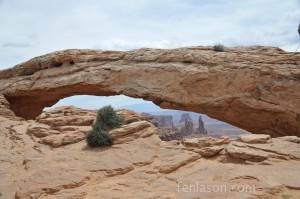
33, 27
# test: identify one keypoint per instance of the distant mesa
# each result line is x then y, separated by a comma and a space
160, 120
166, 129
188, 128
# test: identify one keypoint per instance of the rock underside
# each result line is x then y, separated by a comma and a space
48, 158
255, 88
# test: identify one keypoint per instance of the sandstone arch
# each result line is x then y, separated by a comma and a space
255, 88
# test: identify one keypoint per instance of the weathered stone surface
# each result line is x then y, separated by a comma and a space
129, 116
67, 125
281, 148
139, 164
205, 142
168, 134
294, 139
241, 151
255, 88
210, 151
62, 126
133, 131
42, 182
255, 138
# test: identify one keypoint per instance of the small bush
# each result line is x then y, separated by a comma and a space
96, 138
219, 48
107, 119
285, 196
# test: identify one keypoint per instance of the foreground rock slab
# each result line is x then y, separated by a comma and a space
255, 88
139, 164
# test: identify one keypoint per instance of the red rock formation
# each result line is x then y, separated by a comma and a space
254, 88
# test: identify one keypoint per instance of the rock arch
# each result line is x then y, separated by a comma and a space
254, 88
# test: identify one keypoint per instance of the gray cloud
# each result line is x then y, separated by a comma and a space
36, 27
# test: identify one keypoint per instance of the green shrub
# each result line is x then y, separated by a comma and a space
99, 138
107, 119
219, 48
285, 196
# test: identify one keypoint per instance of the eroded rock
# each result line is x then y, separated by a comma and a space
139, 164
250, 138
255, 88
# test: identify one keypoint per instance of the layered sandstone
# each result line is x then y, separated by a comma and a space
139, 164
255, 88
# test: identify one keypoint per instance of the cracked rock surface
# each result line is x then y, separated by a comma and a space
139, 164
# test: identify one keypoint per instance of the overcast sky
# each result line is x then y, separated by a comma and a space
30, 28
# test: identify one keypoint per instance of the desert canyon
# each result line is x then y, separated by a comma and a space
45, 155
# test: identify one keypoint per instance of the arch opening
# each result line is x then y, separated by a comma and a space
172, 124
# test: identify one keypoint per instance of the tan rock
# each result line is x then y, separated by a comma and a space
254, 138
140, 165
255, 88
129, 116
64, 116
211, 151
132, 131
279, 148
62, 126
205, 142
241, 151
63, 139
294, 139
40, 130
42, 182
